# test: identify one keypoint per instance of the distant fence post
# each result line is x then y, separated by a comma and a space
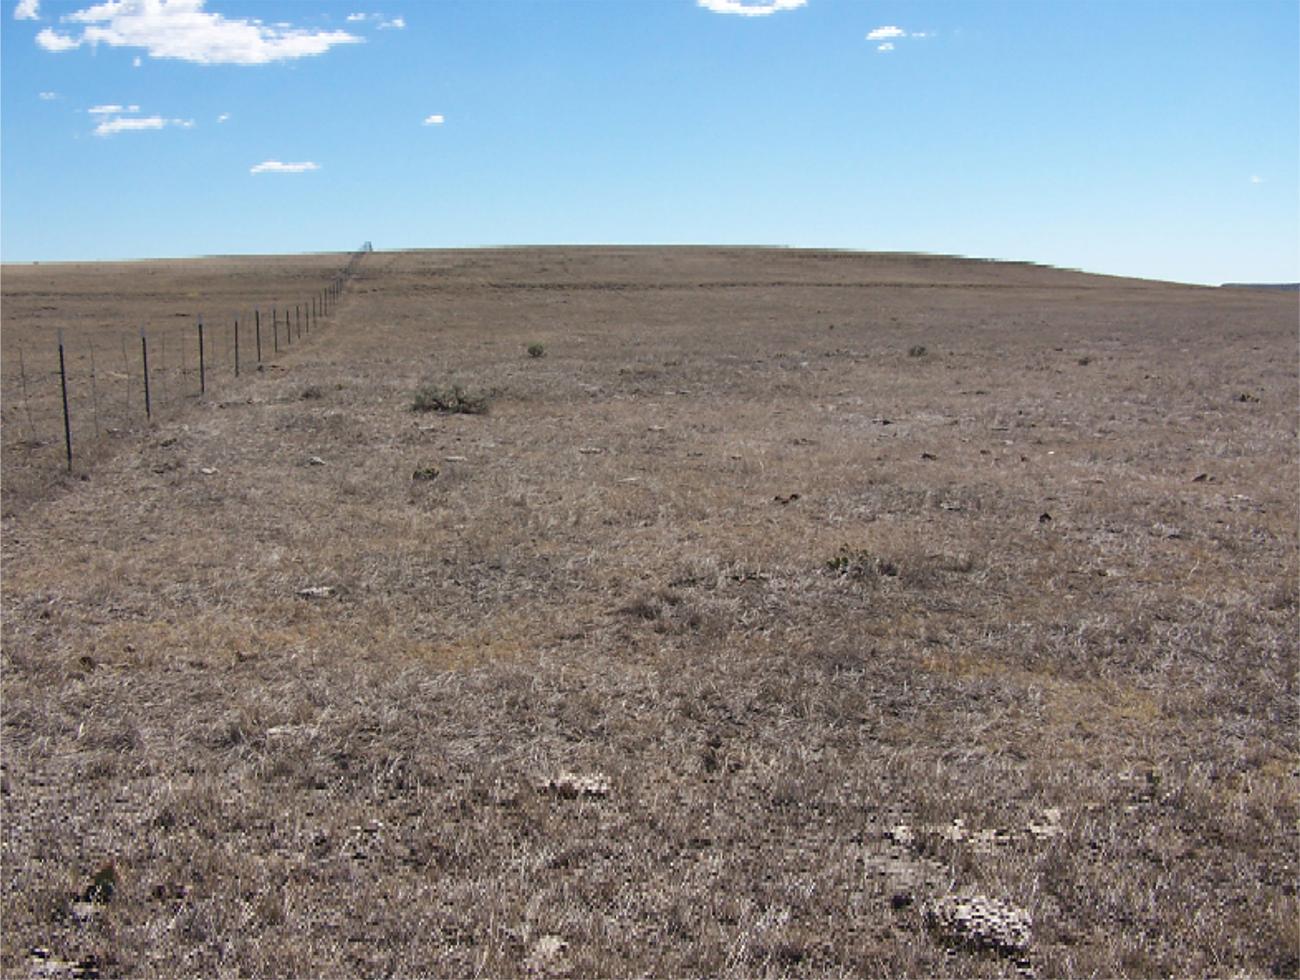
203, 378
94, 387
67, 422
126, 375
236, 347
297, 319
144, 358
257, 319
275, 328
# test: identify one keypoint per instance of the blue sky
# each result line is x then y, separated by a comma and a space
1150, 139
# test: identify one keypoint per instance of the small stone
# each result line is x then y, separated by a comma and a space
901, 834
207, 470
981, 922
570, 786
1050, 825
315, 461
545, 949
316, 592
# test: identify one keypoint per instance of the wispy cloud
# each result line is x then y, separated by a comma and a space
396, 24
435, 120
28, 10
48, 96
130, 124
108, 110
223, 117
276, 167
357, 18
887, 34
750, 8
1256, 179
183, 30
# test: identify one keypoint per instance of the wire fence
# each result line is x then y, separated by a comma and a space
61, 407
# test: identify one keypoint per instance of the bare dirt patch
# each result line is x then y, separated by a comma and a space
737, 637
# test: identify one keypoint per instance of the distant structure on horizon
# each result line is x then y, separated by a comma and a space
1289, 287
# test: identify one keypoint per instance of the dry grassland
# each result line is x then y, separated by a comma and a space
731, 640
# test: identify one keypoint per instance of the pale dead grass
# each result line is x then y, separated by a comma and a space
610, 574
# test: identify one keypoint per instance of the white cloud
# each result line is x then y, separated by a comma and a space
182, 29
28, 10
135, 62
51, 41
112, 121
435, 120
884, 33
120, 124
356, 18
1256, 179
396, 24
48, 96
750, 8
276, 167
223, 117
887, 46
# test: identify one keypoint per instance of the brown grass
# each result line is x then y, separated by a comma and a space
1002, 640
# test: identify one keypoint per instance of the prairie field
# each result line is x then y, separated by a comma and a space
675, 612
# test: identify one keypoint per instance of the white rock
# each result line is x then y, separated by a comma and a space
571, 785
976, 920
546, 949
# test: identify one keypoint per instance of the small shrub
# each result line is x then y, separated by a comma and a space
1085, 361
861, 565
536, 350
450, 399
917, 350
312, 392
425, 473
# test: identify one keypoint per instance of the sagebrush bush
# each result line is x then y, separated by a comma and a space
536, 350
451, 399
861, 565
917, 350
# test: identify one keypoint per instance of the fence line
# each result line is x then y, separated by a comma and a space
162, 386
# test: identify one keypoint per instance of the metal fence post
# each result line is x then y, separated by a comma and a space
67, 423
144, 357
